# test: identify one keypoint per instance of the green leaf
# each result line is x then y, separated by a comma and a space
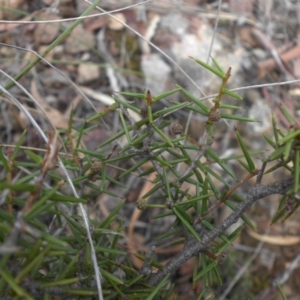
80, 135
165, 95
275, 129
134, 95
270, 141
186, 223
221, 247
217, 275
210, 129
103, 177
4, 161
19, 143
209, 226
81, 292
247, 155
124, 126
282, 202
232, 94
158, 287
158, 186
120, 158
110, 250
206, 270
40, 204
31, 264
137, 142
231, 205
13, 285
90, 154
218, 177
289, 137
162, 135
134, 167
68, 281
75, 226
127, 105
235, 157
235, 117
213, 155
167, 185
169, 110
213, 185
276, 154
196, 109
111, 139
296, 170
109, 219
111, 277
287, 150
287, 114
209, 68
217, 65
195, 199
244, 165
282, 293
227, 170
280, 214
34, 157
66, 198
22, 187
195, 100
227, 106
102, 113
68, 269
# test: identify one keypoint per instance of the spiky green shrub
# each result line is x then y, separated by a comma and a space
49, 245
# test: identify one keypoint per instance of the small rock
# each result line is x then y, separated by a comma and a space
157, 72
114, 24
79, 41
87, 73
46, 33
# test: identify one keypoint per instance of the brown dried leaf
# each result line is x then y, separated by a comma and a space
276, 239
57, 119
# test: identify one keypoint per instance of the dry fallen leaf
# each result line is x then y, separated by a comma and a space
279, 240
56, 118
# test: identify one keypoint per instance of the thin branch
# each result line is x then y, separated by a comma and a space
257, 192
